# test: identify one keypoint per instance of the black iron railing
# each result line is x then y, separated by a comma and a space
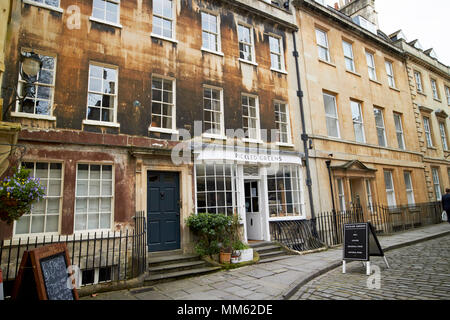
99, 256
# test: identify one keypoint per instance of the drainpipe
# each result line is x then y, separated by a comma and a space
328, 162
305, 137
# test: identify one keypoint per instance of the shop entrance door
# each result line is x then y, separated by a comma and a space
253, 210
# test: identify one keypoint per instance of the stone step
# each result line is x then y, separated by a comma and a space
171, 259
267, 248
256, 245
172, 267
170, 276
263, 256
277, 258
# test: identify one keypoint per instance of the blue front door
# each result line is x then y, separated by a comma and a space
163, 211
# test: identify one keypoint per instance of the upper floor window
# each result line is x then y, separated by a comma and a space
163, 104
163, 24
210, 32
246, 47
44, 216
399, 131
102, 93
418, 78
276, 53
49, 4
106, 10
379, 123
38, 97
358, 124
93, 197
322, 45
331, 115
435, 89
250, 117
390, 74
371, 66
213, 118
282, 123
427, 129
447, 94
348, 56
443, 133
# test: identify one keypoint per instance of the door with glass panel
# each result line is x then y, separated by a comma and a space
253, 210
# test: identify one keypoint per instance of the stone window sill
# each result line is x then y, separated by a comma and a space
43, 5
153, 35
112, 24
327, 63
101, 123
218, 53
33, 116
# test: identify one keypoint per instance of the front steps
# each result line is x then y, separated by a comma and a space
269, 251
173, 266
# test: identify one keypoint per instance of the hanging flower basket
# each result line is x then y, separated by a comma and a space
17, 194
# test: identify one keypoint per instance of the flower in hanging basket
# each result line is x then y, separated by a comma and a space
18, 193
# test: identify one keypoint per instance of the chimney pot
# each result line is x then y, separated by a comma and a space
336, 6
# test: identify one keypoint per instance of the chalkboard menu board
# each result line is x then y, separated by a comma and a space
43, 275
361, 242
356, 242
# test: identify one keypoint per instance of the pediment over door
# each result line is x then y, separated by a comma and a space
353, 168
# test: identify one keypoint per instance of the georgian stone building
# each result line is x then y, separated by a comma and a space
125, 85
358, 109
429, 83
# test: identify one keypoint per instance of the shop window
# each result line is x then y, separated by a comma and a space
284, 187
44, 216
216, 189
94, 195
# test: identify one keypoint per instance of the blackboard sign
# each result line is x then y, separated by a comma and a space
43, 275
361, 242
356, 242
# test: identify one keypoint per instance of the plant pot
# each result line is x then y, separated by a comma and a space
225, 257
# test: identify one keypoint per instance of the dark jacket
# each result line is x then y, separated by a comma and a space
446, 202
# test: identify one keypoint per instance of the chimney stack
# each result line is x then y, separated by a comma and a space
336, 6
363, 8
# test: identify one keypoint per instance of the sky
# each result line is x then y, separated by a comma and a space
428, 21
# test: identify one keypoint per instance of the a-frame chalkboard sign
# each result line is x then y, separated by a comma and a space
360, 243
43, 275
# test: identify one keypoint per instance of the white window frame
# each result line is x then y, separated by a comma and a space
210, 135
447, 94
334, 118
443, 133
323, 47
419, 84
46, 197
355, 122
341, 194
427, 130
409, 190
105, 20
172, 20
350, 58
20, 86
44, 5
380, 127
251, 45
217, 34
390, 73
390, 192
112, 197
279, 123
434, 89
257, 138
370, 58
369, 194
436, 183
399, 131
173, 105
280, 55
113, 123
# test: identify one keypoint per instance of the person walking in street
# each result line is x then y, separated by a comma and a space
446, 203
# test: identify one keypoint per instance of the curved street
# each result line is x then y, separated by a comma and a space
417, 272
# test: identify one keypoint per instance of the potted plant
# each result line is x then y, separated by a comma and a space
17, 194
225, 252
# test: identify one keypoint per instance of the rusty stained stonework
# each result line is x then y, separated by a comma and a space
137, 56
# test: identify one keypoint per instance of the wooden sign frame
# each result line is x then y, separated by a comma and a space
32, 260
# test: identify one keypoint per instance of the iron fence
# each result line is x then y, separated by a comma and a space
385, 220
101, 257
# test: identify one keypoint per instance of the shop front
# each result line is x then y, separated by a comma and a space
259, 185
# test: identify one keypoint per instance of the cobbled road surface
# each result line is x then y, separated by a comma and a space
417, 272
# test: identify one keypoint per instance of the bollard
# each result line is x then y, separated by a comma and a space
2, 296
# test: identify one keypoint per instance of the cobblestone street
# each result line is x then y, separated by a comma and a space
417, 272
